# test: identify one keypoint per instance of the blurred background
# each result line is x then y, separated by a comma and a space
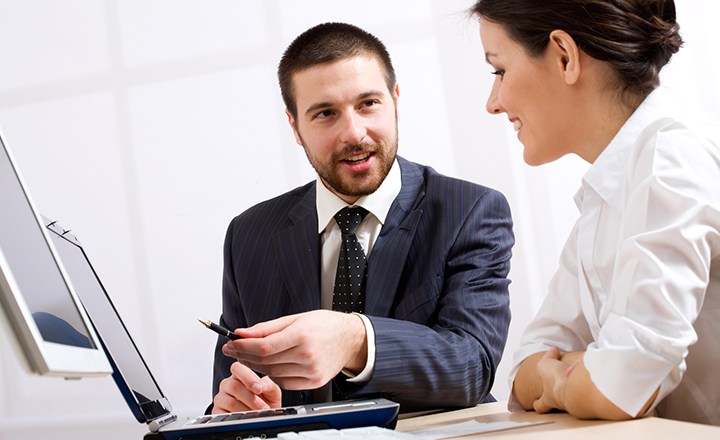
145, 126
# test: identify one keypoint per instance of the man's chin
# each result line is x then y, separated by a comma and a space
356, 187
347, 184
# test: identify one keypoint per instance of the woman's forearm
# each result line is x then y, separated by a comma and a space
527, 385
570, 388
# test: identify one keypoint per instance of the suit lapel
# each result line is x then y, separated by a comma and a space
390, 251
298, 251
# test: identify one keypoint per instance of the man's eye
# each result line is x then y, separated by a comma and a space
324, 114
370, 103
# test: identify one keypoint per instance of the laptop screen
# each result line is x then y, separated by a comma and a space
28, 255
54, 336
131, 373
147, 402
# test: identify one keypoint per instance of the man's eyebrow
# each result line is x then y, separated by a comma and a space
370, 93
318, 106
322, 105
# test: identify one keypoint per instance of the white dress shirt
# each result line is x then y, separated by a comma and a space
378, 205
639, 277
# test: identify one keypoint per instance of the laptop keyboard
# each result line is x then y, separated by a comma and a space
245, 415
362, 433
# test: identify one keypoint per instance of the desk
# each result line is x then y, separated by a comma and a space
564, 426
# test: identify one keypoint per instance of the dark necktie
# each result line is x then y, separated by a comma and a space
351, 276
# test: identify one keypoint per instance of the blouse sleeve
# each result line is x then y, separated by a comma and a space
560, 321
668, 237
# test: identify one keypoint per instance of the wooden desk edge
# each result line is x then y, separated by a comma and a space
564, 425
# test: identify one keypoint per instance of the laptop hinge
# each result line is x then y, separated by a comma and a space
158, 423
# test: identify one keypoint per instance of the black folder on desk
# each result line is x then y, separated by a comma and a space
149, 405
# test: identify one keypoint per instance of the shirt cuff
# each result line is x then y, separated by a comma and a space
645, 360
367, 372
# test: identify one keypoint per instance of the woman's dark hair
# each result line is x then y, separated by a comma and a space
326, 43
636, 37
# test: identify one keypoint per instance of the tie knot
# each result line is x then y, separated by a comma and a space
350, 218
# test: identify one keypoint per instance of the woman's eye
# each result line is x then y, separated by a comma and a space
499, 72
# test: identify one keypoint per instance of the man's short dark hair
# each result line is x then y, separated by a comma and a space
326, 43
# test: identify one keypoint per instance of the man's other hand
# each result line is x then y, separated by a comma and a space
303, 351
245, 391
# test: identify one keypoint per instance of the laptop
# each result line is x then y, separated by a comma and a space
149, 405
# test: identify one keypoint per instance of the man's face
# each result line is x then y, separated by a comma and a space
347, 124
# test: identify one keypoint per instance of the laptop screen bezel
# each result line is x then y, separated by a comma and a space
36, 354
144, 412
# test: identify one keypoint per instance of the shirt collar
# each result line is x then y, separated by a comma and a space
377, 203
607, 174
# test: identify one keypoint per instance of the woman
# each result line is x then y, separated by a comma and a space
629, 320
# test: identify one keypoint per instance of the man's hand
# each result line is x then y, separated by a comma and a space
303, 351
245, 391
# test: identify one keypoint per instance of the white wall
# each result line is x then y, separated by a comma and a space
145, 126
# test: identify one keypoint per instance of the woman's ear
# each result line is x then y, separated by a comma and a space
563, 46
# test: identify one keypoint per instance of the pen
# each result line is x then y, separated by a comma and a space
220, 330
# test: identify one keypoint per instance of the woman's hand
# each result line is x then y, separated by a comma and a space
554, 375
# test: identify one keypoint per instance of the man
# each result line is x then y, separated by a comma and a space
433, 300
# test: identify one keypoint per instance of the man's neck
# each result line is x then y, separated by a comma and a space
378, 203
350, 200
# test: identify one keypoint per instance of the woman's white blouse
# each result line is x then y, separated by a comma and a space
638, 286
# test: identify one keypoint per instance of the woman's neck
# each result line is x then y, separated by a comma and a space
605, 112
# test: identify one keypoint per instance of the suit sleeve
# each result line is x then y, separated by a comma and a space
450, 359
231, 307
246, 298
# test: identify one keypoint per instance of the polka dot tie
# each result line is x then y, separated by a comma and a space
351, 276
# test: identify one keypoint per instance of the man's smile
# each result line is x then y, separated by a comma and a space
358, 158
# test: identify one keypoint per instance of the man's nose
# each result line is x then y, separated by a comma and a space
353, 129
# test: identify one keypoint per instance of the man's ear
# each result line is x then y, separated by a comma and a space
396, 93
563, 46
291, 120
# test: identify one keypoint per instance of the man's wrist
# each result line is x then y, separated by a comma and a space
359, 345
366, 374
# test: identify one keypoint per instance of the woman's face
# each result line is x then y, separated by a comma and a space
531, 91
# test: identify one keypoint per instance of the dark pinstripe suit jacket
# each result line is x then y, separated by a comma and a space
437, 288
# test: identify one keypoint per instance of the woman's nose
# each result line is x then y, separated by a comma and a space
493, 103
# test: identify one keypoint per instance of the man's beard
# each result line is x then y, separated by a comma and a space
362, 184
